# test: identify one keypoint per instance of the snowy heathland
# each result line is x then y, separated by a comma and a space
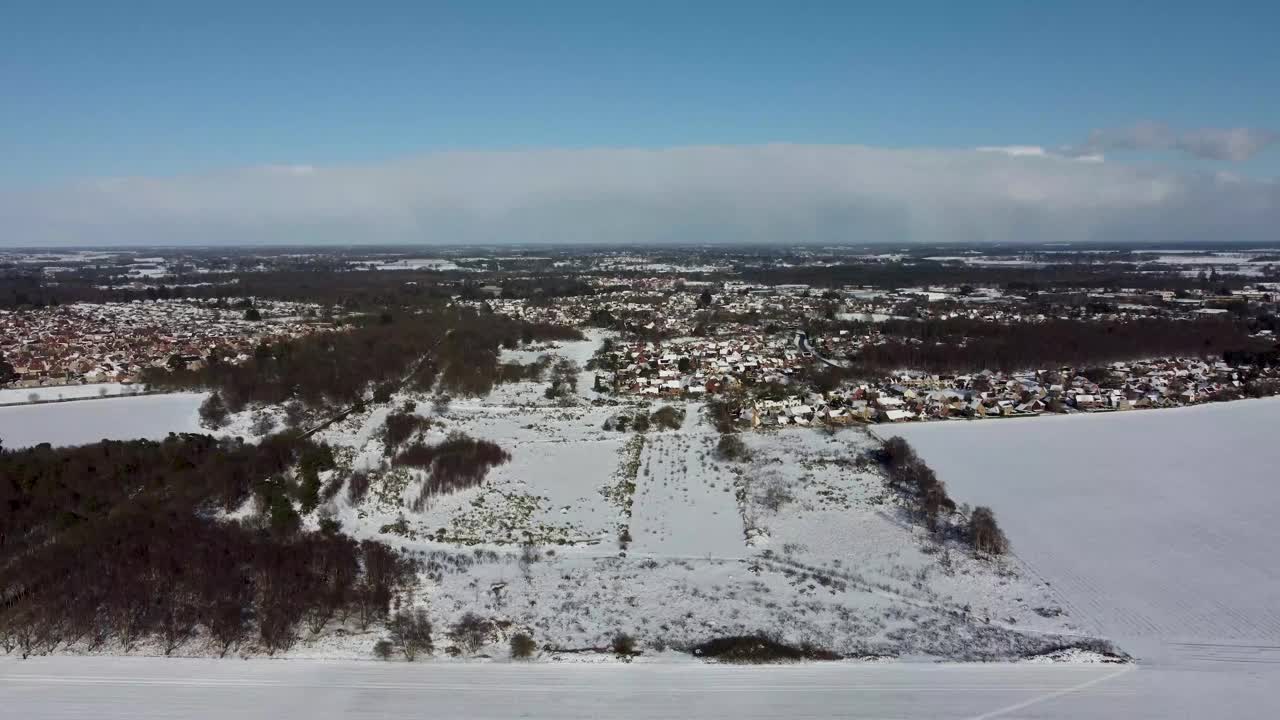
587, 533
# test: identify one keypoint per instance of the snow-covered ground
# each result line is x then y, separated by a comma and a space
67, 688
1156, 529
10, 396
588, 532
78, 423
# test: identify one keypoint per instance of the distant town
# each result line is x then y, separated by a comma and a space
1014, 332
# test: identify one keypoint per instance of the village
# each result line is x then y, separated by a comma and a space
115, 342
764, 378
743, 343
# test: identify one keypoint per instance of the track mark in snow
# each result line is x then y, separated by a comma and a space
1052, 695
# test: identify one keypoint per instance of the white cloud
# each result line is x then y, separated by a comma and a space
1231, 144
770, 193
1015, 150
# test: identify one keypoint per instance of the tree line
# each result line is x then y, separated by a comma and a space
961, 345
908, 474
459, 347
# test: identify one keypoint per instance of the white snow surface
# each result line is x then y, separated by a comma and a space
67, 392
78, 423
1156, 529
67, 688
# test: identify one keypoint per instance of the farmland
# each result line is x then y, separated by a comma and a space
113, 418
1155, 529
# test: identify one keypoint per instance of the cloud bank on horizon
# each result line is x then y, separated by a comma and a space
751, 194
1227, 144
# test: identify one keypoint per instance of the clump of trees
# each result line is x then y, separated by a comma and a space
214, 413
115, 542
7, 373
909, 474
564, 379
962, 345
758, 649
668, 417
721, 413
518, 372
457, 348
400, 426
984, 533
457, 463
664, 418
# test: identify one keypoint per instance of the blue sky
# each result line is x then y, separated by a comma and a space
134, 89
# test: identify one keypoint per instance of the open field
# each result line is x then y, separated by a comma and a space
1156, 529
18, 396
65, 688
77, 423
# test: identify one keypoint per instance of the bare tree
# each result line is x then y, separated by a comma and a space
411, 632
471, 632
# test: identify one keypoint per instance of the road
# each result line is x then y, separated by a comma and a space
64, 688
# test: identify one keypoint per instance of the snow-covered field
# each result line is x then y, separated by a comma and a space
588, 532
66, 688
1156, 529
10, 396
77, 423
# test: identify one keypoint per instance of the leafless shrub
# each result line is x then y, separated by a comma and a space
775, 494
411, 632
471, 632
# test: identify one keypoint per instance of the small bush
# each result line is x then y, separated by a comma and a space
730, 448
623, 645
522, 646
358, 487
776, 493
383, 649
